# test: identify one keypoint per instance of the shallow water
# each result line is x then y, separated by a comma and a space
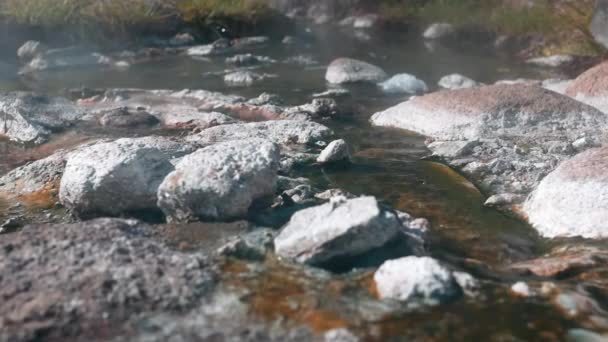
387, 164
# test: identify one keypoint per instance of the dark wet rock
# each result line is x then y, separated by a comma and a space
404, 84
30, 49
113, 178
456, 81
279, 131
250, 246
573, 199
30, 118
564, 261
416, 279
554, 61
439, 31
591, 87
249, 59
341, 228
506, 137
67, 279
336, 151
123, 117
66, 58
220, 182
348, 70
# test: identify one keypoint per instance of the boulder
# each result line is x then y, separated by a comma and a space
404, 84
30, 118
220, 182
456, 81
279, 131
591, 87
573, 199
63, 277
488, 111
122, 176
341, 228
336, 151
439, 31
416, 279
348, 70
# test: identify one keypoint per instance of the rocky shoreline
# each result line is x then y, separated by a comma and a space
184, 213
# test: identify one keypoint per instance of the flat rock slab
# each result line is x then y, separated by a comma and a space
488, 111
60, 280
30, 118
278, 131
591, 87
573, 199
112, 178
341, 228
220, 182
348, 70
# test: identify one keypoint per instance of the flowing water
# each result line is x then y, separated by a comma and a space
387, 163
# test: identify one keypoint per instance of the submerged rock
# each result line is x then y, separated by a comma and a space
439, 31
30, 118
65, 277
249, 59
404, 83
341, 228
30, 49
416, 279
279, 131
456, 81
554, 61
336, 151
66, 58
220, 182
591, 87
573, 199
347, 70
117, 177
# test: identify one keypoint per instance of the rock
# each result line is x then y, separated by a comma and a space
361, 22
195, 120
318, 108
63, 277
340, 335
503, 199
336, 151
249, 59
218, 47
181, 39
118, 177
35, 177
403, 83
242, 78
521, 289
30, 49
302, 60
484, 112
250, 246
123, 117
599, 23
457, 81
413, 279
66, 58
338, 92
279, 131
341, 228
554, 61
266, 99
253, 41
591, 87
452, 149
439, 31
220, 182
347, 70
30, 118
563, 261
573, 199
